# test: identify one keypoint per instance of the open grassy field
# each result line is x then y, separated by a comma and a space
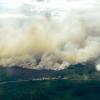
50, 90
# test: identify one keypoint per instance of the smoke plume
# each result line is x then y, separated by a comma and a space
53, 42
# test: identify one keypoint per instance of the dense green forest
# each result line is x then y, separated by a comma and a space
51, 90
86, 86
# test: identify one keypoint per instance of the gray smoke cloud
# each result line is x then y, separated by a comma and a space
54, 39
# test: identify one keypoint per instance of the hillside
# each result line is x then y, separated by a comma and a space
74, 72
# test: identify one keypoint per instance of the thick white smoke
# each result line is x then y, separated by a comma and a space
54, 40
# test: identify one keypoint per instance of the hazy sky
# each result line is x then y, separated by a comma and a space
24, 8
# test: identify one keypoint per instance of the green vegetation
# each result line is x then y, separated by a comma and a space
17, 83
51, 90
74, 72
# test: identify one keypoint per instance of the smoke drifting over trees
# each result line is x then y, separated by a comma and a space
53, 39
